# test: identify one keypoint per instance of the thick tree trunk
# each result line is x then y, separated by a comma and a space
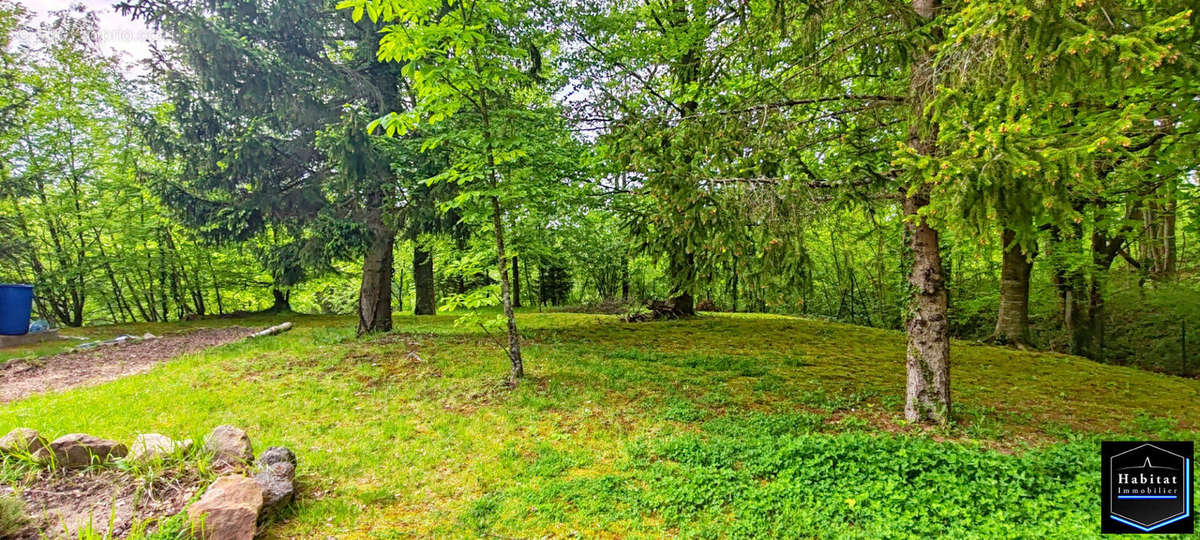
684, 304
516, 282
426, 303
375, 294
681, 299
928, 357
1012, 320
514, 338
282, 303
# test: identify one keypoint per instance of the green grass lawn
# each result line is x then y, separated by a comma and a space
719, 426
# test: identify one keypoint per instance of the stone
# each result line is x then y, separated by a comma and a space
79, 450
149, 446
277, 454
22, 441
277, 484
228, 510
276, 475
229, 446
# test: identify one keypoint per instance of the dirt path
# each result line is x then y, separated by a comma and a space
19, 379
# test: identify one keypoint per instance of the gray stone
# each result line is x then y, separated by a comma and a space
22, 441
276, 454
79, 450
228, 510
277, 484
229, 446
149, 446
276, 475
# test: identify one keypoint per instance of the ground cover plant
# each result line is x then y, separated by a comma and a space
721, 425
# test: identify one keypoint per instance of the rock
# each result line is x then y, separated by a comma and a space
153, 445
276, 475
22, 441
229, 446
277, 454
228, 510
277, 484
79, 450
148, 335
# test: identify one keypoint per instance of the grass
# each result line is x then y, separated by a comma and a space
12, 515
720, 426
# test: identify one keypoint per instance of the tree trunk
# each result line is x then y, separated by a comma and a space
425, 303
1012, 320
375, 294
1070, 284
625, 279
282, 303
1170, 244
733, 286
516, 282
681, 298
514, 338
928, 358
1095, 318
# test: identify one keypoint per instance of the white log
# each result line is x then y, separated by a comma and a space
279, 329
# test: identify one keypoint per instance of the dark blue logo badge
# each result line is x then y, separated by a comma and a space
1147, 487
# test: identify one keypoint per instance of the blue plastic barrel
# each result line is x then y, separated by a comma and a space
16, 304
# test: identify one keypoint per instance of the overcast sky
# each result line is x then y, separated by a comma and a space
117, 33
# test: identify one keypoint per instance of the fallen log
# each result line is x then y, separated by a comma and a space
277, 329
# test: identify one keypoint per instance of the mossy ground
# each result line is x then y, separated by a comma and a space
722, 425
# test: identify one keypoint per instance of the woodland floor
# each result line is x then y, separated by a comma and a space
725, 425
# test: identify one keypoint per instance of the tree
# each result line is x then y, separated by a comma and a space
651, 73
1054, 131
14, 100
480, 62
248, 109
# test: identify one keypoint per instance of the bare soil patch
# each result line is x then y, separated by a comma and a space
22, 378
61, 503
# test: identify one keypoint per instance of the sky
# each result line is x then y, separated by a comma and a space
117, 33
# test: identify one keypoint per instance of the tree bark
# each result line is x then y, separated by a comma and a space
625, 279
282, 304
425, 303
516, 282
1170, 244
1012, 320
375, 294
928, 358
514, 338
681, 299
1158, 245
